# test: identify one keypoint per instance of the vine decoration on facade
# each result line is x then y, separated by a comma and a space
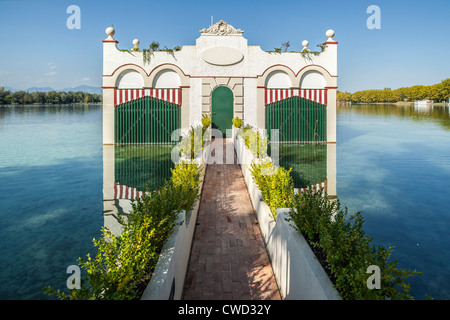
154, 47
305, 52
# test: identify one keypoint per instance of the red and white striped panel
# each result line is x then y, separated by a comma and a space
316, 187
317, 95
125, 192
126, 95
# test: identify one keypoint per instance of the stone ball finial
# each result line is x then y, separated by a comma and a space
136, 45
330, 34
305, 43
110, 32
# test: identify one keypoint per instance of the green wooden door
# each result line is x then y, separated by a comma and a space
222, 109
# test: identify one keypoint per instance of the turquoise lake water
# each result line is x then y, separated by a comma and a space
392, 164
50, 194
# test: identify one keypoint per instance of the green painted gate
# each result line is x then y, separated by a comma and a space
145, 120
222, 109
297, 119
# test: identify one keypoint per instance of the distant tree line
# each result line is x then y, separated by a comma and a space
50, 97
436, 92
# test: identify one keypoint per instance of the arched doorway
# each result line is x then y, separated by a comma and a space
222, 109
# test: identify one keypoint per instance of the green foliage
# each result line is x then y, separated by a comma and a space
206, 121
154, 47
123, 265
237, 122
256, 142
193, 142
437, 92
50, 97
344, 249
186, 179
275, 183
348, 251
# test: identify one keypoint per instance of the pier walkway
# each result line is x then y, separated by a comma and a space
228, 257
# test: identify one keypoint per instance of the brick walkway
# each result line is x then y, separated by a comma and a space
228, 258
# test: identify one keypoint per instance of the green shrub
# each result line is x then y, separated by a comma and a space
346, 249
123, 265
193, 142
237, 122
275, 183
206, 121
255, 141
338, 240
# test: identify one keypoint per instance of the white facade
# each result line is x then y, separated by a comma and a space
220, 57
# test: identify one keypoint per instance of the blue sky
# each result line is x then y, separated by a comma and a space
412, 47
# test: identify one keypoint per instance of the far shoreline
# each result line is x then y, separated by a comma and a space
398, 103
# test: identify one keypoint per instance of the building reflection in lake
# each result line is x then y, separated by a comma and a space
128, 171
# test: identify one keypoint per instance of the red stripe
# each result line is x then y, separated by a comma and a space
120, 192
115, 97
115, 190
179, 97
326, 97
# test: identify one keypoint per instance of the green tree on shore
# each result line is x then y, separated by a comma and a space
436, 92
51, 97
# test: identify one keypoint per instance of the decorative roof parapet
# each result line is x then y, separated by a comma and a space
221, 28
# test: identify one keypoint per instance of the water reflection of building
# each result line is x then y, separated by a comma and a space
423, 107
128, 171
312, 165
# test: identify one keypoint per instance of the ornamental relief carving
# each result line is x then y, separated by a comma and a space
221, 28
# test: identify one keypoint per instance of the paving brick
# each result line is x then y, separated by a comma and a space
228, 258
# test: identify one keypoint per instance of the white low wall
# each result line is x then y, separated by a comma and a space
167, 281
299, 274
